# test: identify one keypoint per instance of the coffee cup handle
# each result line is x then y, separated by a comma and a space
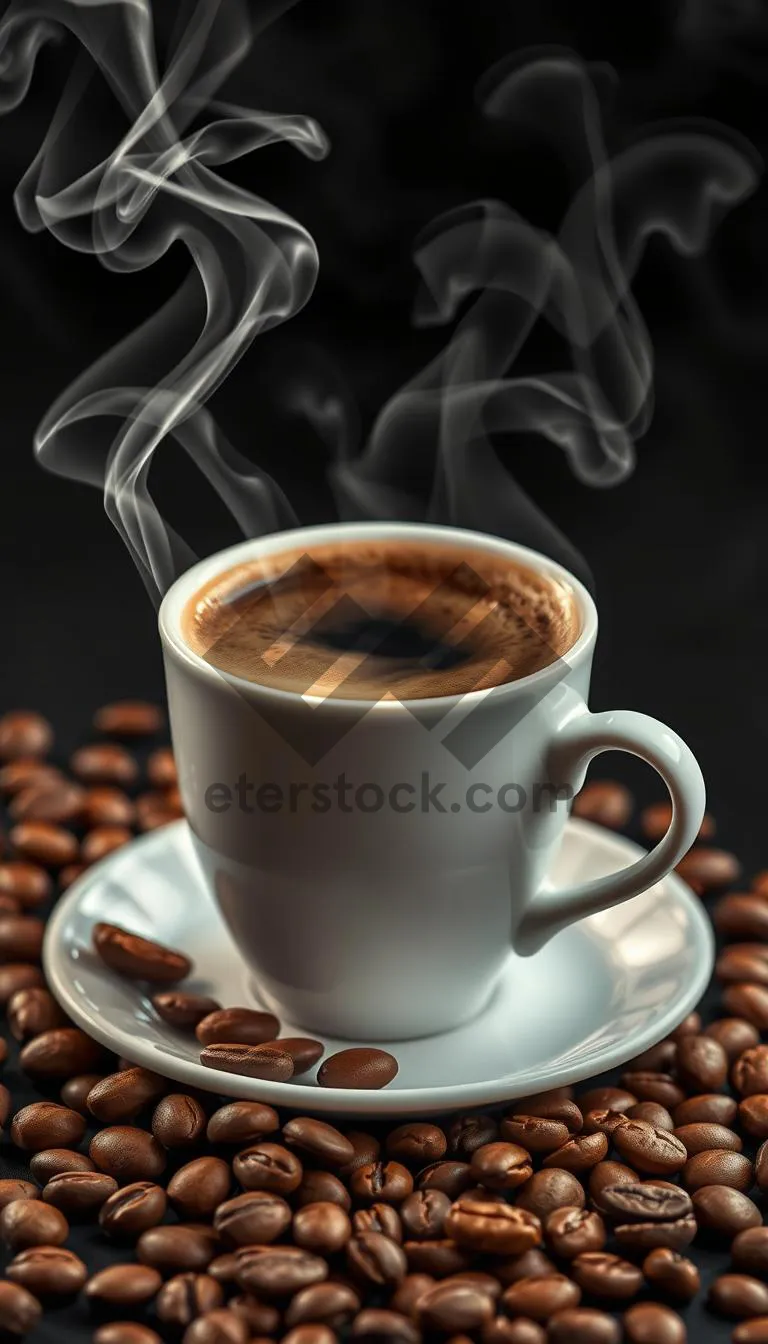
581, 738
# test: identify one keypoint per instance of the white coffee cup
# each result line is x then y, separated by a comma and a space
370, 919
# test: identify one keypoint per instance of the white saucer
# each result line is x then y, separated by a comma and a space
597, 995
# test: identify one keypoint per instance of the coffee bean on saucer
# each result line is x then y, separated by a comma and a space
390, 1182
123, 1285
30, 1222
501, 1166
237, 1026
605, 802
741, 915
183, 1247
722, 1210
103, 840
453, 1178
59, 1053
32, 1011
571, 1232
185, 1297
318, 1140
579, 1325
257, 1217
139, 958
128, 718
242, 1122
48, 1271
197, 1189
178, 1121
498, 1229
24, 733
21, 937
54, 1161
27, 883
651, 1323
45, 1124
20, 1311
11, 1189
423, 1214
418, 1142
79, 1193
707, 868
739, 1296
132, 1210
670, 1273
607, 1277
719, 1166
183, 1010
708, 1108
120, 1096
268, 1166
319, 1187
252, 1061
549, 1190
467, 1133
361, 1067
127, 1153
534, 1133
107, 806
18, 975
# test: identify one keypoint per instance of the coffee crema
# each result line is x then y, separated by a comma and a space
370, 619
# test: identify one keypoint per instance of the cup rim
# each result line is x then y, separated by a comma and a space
177, 596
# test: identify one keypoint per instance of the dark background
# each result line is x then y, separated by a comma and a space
677, 551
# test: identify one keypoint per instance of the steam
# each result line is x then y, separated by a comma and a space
485, 268
252, 265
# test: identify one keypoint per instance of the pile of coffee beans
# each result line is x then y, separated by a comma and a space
134, 1211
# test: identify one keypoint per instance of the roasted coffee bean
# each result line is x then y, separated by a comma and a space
19, 1310
362, 1067
605, 802
21, 937
237, 1026
123, 1285
501, 1166
29, 1222
161, 769
739, 1296
78, 1193
654, 1152
103, 840
751, 1332
534, 1133
652, 1113
385, 1218
749, 1251
583, 1325
651, 1323
32, 1011
242, 1122
725, 1211
499, 1229
718, 1166
672, 1274
603, 1122
550, 1190
501, 1330
252, 1061
709, 1108
419, 1143
223, 1268
753, 1115
454, 1306
317, 1187
18, 774
318, 1140
699, 1138
467, 1133
607, 1174
656, 820
331, 1303
127, 1153
185, 1297
761, 1167
59, 1054
279, 1271
366, 1149
702, 1064
45, 1124
58, 1161
178, 1121
139, 958
707, 868
390, 1182
579, 1154
128, 718
660, 1087
6, 1104
27, 883
67, 875
571, 1232
540, 1299
183, 1247
741, 915
120, 1096
103, 763
376, 1260
158, 808
50, 800
409, 1291
323, 1227
734, 1034
452, 1178
220, 1326
107, 807
606, 1099
24, 733
438, 1258
742, 962
184, 1010
644, 1202
750, 1072
268, 1166
304, 1051
528, 1265
48, 1271
676, 1234
11, 1190
551, 1107
423, 1214
260, 1317
257, 1217
199, 1187
660, 1058
15, 976
130, 1211
606, 1276
42, 842
376, 1324
749, 1001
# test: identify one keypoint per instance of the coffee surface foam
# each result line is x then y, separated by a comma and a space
366, 619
